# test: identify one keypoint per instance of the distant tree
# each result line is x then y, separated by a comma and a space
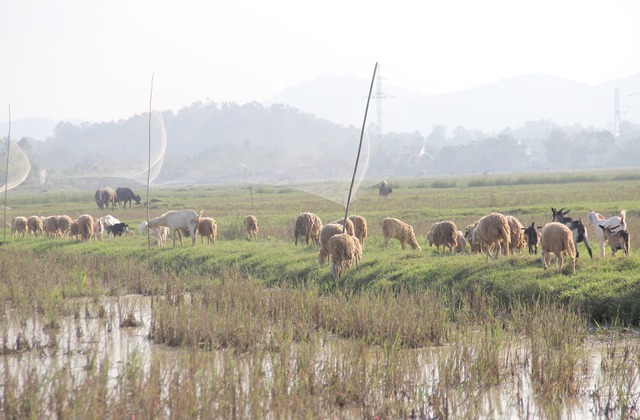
463, 136
437, 138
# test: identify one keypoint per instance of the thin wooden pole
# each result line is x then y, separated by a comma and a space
149, 166
6, 180
355, 169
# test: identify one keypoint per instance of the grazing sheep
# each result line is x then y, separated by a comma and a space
74, 230
349, 225
474, 245
344, 251
492, 232
532, 237
51, 226
397, 229
176, 220
517, 239
384, 190
618, 239
557, 238
359, 227
63, 224
85, 226
98, 228
443, 234
19, 226
35, 226
461, 247
104, 196
358, 254
309, 226
251, 225
326, 233
207, 227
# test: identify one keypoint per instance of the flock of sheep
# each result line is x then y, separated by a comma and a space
491, 235
342, 241
86, 227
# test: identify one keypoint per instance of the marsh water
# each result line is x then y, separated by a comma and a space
425, 382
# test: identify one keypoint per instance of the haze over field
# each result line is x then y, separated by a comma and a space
90, 61
278, 89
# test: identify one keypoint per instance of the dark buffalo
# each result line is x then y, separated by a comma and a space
104, 196
126, 195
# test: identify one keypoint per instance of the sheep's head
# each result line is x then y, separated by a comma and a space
137, 198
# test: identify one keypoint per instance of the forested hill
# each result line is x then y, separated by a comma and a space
205, 142
231, 143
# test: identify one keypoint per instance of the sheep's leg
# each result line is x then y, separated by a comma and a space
559, 262
602, 251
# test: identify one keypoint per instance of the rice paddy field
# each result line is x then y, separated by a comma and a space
259, 329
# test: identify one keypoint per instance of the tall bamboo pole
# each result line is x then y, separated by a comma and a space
6, 181
149, 166
355, 169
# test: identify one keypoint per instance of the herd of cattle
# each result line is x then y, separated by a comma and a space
121, 196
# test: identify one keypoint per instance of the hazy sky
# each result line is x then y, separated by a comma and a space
93, 60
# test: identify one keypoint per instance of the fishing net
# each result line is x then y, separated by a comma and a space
19, 166
125, 151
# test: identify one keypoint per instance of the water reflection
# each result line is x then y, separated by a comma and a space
347, 377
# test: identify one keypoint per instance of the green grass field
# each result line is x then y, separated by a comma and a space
258, 329
607, 289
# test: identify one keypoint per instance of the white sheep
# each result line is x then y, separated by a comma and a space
98, 228
359, 227
63, 224
491, 233
557, 238
461, 248
35, 226
474, 245
207, 227
443, 234
74, 231
358, 253
618, 240
397, 229
309, 226
517, 238
19, 226
344, 250
327, 231
50, 224
85, 226
251, 225
349, 225
176, 220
